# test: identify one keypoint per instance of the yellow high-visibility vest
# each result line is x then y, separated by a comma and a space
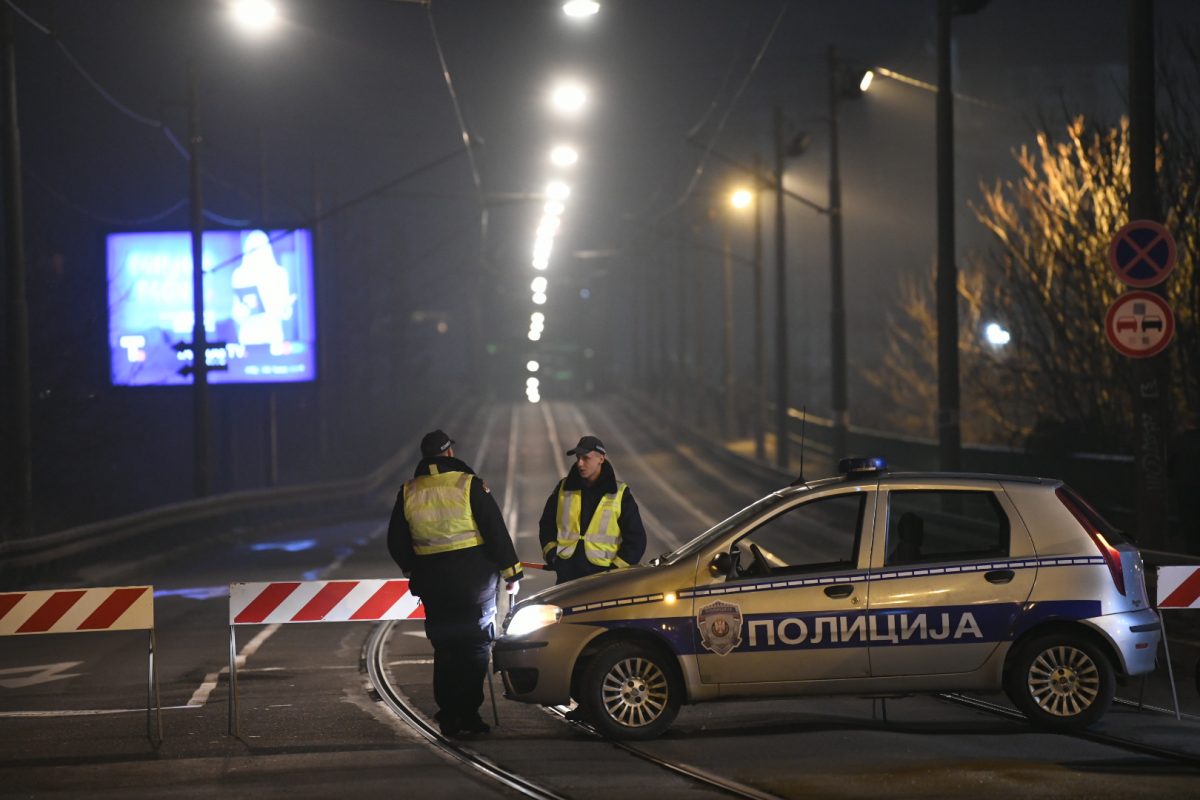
438, 510
603, 534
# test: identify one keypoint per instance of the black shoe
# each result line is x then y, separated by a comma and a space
474, 724
448, 724
575, 715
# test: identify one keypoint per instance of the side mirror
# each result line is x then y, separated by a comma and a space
721, 565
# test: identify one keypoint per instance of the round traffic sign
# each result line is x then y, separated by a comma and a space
1142, 253
1139, 324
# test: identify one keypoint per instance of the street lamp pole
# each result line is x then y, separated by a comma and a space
727, 423
837, 338
200, 399
760, 359
19, 442
782, 456
949, 433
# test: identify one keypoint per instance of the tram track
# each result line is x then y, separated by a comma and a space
1095, 737
374, 663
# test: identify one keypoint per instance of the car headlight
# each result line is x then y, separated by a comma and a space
531, 618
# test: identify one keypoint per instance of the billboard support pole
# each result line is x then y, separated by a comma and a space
200, 411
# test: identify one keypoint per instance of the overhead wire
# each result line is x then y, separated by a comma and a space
712, 140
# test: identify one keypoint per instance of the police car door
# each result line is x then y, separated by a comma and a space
948, 578
794, 590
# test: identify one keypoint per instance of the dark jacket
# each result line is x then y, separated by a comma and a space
633, 533
467, 569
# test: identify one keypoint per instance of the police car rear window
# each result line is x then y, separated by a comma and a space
930, 526
1112, 533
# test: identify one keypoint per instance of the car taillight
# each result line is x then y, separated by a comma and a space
1112, 556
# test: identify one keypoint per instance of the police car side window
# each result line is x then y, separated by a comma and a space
821, 535
938, 526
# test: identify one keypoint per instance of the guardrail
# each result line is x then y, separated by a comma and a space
376, 487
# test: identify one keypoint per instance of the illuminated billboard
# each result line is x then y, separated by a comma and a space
259, 316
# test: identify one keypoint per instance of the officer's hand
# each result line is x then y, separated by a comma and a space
512, 586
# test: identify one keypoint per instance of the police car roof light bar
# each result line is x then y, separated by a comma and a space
855, 466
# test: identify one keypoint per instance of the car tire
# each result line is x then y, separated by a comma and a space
631, 691
1061, 681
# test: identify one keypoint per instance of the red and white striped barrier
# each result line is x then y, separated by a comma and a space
106, 608
1178, 587
372, 600
123, 608
322, 601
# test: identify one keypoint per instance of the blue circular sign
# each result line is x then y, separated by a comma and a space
1142, 253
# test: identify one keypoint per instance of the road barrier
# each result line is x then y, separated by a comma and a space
372, 600
1178, 587
110, 608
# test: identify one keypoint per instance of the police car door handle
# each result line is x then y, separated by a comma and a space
840, 590
999, 576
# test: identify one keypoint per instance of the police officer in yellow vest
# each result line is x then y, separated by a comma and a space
448, 535
591, 522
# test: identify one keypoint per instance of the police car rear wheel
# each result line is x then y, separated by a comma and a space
631, 691
1062, 682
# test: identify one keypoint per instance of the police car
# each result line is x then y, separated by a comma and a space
871, 583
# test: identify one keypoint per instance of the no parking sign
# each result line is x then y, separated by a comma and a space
1142, 253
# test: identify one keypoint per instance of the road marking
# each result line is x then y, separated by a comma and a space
654, 476
42, 673
200, 696
555, 442
86, 712
510, 469
404, 662
477, 462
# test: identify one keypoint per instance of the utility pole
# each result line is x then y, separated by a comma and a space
18, 418
760, 359
1151, 390
837, 306
200, 399
782, 456
727, 421
948, 423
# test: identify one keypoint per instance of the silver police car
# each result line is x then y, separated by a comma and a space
872, 583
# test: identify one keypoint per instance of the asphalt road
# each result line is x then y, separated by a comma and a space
72, 707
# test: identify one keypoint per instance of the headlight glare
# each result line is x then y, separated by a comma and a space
532, 618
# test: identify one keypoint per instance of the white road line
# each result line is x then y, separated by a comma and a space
88, 712
686, 504
555, 442
200, 696
477, 462
404, 662
510, 469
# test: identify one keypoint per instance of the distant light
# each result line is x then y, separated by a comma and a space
557, 190
534, 398
554, 209
535, 335
539, 298
997, 335
541, 263
538, 284
532, 366
563, 156
532, 383
548, 225
442, 327
585, 293
537, 317
255, 15
741, 198
581, 8
865, 83
569, 97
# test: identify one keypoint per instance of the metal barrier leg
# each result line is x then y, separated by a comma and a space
1170, 669
491, 683
152, 697
234, 730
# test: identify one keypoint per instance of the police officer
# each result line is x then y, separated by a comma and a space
591, 522
448, 535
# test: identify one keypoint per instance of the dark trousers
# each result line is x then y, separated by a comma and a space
458, 590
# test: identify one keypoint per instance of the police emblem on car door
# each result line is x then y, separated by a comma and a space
720, 626
797, 580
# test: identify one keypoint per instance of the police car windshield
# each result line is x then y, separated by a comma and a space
697, 544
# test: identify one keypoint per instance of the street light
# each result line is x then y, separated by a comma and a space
742, 199
255, 16
564, 156
996, 335
581, 9
569, 97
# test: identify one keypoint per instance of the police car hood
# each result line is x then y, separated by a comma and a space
618, 583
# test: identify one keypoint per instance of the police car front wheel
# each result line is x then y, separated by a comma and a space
631, 691
1061, 681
